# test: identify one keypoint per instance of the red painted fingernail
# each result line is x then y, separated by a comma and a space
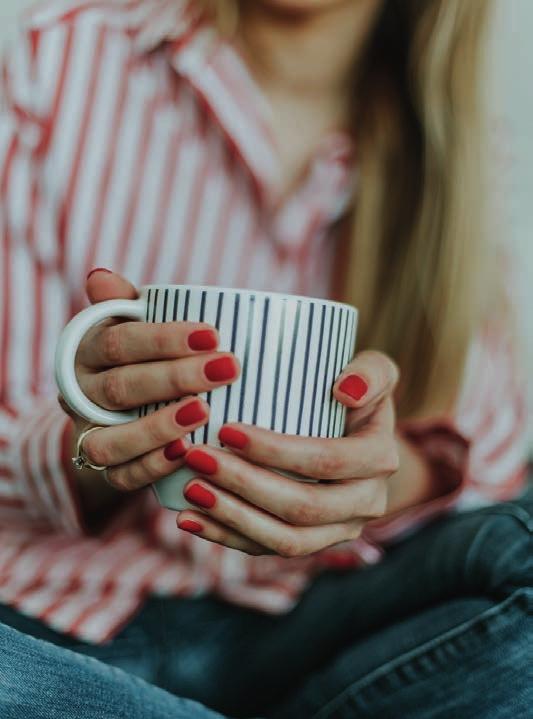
202, 340
189, 525
175, 450
220, 370
196, 494
99, 269
191, 414
233, 437
201, 462
355, 386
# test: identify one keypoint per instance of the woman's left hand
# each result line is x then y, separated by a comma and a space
247, 506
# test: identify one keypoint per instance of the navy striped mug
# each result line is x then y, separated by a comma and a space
291, 349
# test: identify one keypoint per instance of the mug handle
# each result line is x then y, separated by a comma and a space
65, 357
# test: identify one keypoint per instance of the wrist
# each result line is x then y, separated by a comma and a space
414, 482
439, 454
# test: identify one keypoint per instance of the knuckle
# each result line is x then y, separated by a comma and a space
162, 340
380, 500
96, 451
289, 548
305, 512
327, 464
112, 344
389, 370
395, 372
386, 370
148, 468
389, 459
118, 479
175, 378
376, 501
113, 389
156, 429
354, 531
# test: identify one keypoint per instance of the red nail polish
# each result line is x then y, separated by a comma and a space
196, 494
189, 525
201, 462
99, 269
175, 450
355, 386
191, 413
220, 370
233, 437
202, 340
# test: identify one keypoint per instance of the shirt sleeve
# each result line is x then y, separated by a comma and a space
479, 456
34, 302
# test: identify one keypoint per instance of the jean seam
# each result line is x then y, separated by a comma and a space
509, 509
516, 512
500, 611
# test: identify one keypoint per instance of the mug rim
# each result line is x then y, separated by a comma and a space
240, 290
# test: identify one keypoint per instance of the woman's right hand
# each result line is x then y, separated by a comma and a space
125, 364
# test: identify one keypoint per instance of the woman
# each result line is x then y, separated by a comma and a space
322, 147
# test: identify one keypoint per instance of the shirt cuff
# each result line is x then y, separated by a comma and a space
446, 451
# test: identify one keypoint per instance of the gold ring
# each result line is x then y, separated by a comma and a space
81, 461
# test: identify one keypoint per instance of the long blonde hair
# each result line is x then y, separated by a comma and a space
419, 263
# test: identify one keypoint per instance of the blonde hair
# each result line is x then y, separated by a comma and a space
418, 267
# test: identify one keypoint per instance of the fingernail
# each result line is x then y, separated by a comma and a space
201, 462
191, 414
175, 450
233, 437
220, 370
355, 386
196, 494
99, 269
202, 340
189, 525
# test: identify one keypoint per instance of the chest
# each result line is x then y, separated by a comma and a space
152, 185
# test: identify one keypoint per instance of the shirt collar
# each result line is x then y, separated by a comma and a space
218, 74
160, 21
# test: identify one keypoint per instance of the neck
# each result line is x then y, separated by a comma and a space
307, 53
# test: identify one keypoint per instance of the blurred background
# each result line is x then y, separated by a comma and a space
510, 102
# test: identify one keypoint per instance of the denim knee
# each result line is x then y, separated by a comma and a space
492, 548
15, 682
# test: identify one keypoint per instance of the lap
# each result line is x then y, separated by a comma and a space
244, 663
39, 680
459, 566
463, 658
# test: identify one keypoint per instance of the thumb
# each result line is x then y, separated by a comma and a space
102, 284
366, 379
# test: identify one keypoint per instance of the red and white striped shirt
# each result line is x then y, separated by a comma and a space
132, 137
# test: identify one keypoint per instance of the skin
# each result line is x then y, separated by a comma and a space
368, 474
303, 55
371, 471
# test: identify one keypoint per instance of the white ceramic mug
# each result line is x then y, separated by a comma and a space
291, 350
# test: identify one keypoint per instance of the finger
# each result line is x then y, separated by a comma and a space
207, 528
66, 408
146, 469
263, 528
102, 285
381, 417
366, 378
299, 503
111, 345
115, 445
359, 457
148, 382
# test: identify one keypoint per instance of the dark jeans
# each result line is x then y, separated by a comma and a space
441, 628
